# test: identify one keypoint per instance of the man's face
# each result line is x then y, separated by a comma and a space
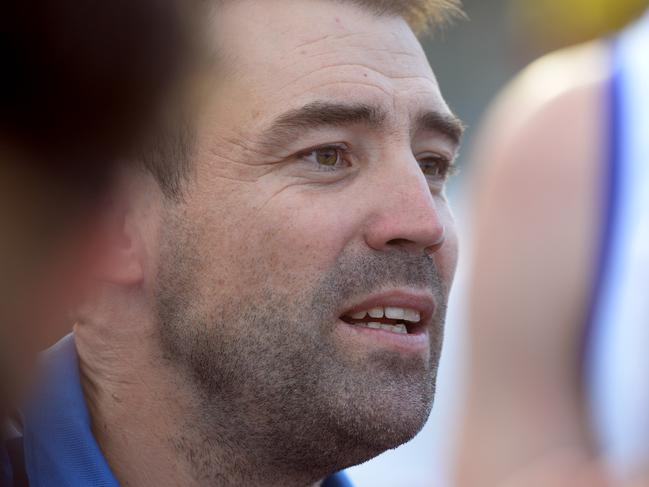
315, 210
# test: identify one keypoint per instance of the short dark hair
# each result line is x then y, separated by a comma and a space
168, 158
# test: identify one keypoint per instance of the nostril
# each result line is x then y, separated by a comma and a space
399, 242
431, 249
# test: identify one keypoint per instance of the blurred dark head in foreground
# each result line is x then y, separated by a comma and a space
80, 77
81, 80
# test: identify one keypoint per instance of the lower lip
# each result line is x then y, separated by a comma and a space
410, 343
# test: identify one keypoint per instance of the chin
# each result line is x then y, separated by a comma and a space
371, 424
386, 434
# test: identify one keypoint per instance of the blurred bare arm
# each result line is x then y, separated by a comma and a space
534, 241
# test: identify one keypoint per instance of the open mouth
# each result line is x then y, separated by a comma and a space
401, 321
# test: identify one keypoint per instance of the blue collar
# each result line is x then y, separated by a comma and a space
60, 448
337, 480
5, 467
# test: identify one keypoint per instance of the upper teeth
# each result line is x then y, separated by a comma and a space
390, 312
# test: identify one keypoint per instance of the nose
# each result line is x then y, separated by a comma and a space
406, 215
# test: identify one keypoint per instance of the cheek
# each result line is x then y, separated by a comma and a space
249, 240
307, 232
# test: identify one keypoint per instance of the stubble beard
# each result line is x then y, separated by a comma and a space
270, 379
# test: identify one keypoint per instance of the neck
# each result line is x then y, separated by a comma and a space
154, 430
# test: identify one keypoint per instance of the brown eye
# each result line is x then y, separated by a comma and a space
329, 158
436, 167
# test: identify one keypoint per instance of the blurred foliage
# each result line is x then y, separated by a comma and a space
549, 24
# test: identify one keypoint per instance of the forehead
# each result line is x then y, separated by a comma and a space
287, 53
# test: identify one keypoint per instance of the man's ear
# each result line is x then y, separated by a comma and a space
120, 256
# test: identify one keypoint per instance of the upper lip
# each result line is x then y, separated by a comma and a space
419, 300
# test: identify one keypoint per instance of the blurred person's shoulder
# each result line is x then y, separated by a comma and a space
558, 74
539, 159
552, 119
548, 96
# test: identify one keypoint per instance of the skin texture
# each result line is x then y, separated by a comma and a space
216, 354
541, 157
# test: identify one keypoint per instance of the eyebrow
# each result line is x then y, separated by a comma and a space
322, 114
446, 124
327, 114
